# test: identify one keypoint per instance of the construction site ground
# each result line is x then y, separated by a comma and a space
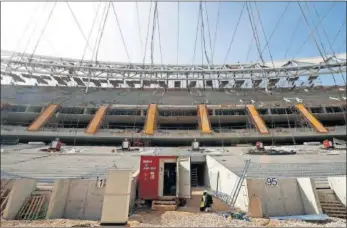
186, 216
176, 219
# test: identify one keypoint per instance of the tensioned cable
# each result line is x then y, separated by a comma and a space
24, 32
233, 37
78, 24
139, 27
121, 33
32, 35
266, 40
215, 33
292, 37
312, 31
44, 29
317, 31
257, 44
330, 45
84, 51
203, 34
343, 25
196, 36
257, 38
21, 39
208, 29
102, 33
161, 55
250, 44
153, 30
102, 19
148, 25
97, 41
276, 26
90, 33
314, 38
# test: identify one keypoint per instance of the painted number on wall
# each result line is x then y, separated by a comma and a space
271, 181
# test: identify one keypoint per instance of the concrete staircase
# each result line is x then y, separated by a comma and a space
330, 204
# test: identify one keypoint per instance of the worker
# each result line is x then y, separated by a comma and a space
206, 202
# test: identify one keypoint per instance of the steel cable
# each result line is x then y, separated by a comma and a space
233, 37
330, 44
121, 33
315, 28
266, 40
78, 24
43, 30
215, 33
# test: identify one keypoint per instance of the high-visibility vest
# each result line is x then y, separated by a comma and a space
202, 204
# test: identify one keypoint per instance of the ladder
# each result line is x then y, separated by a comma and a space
236, 190
194, 177
230, 200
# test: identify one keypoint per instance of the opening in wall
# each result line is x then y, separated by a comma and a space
197, 171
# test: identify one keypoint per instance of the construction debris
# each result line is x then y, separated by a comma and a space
261, 150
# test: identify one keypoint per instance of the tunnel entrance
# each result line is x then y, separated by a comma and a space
197, 172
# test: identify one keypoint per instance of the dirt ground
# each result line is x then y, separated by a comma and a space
175, 219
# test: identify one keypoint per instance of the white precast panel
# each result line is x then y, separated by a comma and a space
116, 197
184, 186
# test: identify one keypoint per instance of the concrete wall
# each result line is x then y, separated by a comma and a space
309, 196
285, 198
338, 184
83, 199
221, 179
7, 183
58, 199
274, 200
20, 193
76, 199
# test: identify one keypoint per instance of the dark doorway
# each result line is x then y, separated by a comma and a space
197, 171
169, 179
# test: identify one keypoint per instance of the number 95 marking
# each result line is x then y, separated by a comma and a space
271, 181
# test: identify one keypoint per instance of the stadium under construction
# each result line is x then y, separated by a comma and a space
97, 140
41, 106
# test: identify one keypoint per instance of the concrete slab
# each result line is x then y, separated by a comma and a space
58, 199
117, 196
19, 194
338, 184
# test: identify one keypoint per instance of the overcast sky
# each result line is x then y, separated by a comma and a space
22, 24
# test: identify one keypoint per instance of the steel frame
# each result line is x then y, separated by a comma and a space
38, 64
